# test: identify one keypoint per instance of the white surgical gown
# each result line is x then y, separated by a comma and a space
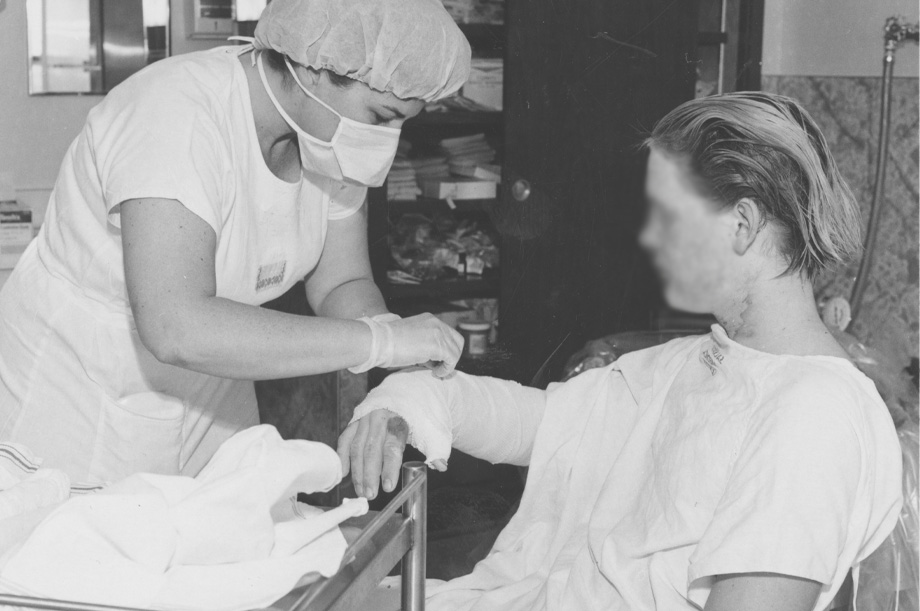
677, 463
77, 386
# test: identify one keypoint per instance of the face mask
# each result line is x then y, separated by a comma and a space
357, 153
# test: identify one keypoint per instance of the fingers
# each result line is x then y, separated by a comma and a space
393, 449
372, 454
450, 345
440, 369
423, 338
356, 456
344, 446
374, 446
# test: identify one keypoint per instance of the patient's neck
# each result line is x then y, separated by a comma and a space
778, 315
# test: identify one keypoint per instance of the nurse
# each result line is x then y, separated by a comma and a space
200, 188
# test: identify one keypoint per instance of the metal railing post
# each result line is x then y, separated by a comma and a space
413, 563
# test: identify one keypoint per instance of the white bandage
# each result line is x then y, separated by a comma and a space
382, 344
495, 420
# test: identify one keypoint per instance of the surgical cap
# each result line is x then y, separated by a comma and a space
411, 48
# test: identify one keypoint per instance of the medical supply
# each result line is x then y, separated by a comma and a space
458, 188
476, 336
430, 248
410, 48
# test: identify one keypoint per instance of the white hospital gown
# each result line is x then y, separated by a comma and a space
677, 463
77, 386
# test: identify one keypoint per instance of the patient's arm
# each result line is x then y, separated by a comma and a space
492, 419
762, 592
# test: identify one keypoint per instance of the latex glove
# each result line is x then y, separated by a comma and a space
372, 449
417, 340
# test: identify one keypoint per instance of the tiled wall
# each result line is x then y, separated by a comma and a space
848, 110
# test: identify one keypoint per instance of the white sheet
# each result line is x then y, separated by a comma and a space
230, 539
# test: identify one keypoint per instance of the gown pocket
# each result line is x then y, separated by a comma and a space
141, 432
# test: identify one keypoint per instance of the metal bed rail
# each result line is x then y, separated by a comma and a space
386, 539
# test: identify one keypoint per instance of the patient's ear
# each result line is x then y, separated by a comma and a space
748, 221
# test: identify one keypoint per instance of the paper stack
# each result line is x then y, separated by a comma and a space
471, 156
431, 167
401, 181
484, 86
467, 150
463, 154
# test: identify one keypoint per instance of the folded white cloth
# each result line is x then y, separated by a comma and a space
40, 489
230, 539
24, 485
28, 493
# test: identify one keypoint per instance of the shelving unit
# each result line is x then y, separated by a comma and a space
486, 41
448, 290
451, 119
427, 205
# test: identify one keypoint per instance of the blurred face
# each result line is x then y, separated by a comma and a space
688, 238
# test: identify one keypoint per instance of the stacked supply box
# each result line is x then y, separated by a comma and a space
463, 155
401, 181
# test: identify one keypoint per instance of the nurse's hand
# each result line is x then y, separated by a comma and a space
372, 448
420, 340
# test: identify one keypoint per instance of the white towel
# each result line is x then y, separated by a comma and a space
28, 493
36, 490
229, 539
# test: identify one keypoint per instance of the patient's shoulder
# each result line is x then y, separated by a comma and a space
808, 391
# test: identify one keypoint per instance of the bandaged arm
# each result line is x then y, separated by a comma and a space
495, 420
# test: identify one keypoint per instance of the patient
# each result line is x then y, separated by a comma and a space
747, 469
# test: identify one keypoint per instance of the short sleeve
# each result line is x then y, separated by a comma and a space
791, 492
161, 144
345, 201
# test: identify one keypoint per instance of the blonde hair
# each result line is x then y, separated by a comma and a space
766, 148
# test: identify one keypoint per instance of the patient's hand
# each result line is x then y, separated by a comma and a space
372, 448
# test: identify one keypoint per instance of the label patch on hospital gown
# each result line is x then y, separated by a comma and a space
712, 357
270, 275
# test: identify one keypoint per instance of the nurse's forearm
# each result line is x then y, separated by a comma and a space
353, 299
228, 339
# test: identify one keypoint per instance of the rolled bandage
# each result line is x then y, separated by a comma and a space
382, 344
